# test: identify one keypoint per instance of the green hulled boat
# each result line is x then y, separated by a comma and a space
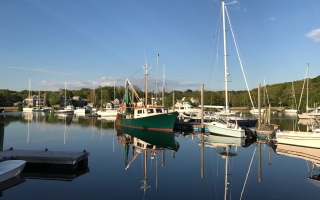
139, 115
157, 138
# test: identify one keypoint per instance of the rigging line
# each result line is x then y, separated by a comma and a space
213, 44
235, 42
305, 77
131, 174
208, 188
244, 185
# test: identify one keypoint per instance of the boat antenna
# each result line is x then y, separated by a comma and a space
146, 69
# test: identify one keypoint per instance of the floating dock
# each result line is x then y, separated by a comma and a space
46, 157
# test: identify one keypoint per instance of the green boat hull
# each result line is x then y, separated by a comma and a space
162, 122
157, 138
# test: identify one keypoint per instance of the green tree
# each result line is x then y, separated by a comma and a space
54, 99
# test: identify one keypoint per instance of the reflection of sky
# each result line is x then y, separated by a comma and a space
179, 178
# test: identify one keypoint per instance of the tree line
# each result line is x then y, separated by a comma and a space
286, 94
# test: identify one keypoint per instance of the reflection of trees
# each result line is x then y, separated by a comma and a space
53, 119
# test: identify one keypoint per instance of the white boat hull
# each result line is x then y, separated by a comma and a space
11, 168
306, 139
27, 109
291, 111
225, 130
108, 113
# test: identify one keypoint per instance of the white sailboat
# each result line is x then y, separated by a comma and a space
222, 127
68, 109
292, 110
28, 109
310, 113
298, 138
108, 111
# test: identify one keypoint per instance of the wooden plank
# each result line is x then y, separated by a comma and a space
51, 157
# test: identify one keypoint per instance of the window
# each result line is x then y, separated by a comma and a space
139, 111
158, 110
150, 111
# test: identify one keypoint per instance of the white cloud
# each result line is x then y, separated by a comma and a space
232, 2
273, 18
45, 71
315, 35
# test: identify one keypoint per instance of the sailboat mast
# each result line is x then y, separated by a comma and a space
226, 173
307, 88
29, 88
65, 94
157, 78
145, 67
39, 100
226, 74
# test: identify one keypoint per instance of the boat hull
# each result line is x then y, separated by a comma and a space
46, 110
299, 139
108, 113
11, 168
66, 112
222, 129
27, 109
161, 122
157, 138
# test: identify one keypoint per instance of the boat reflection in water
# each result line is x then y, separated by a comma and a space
310, 155
227, 148
146, 142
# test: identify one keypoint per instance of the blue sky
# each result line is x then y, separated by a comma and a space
93, 43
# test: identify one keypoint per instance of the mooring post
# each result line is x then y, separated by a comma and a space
202, 109
1, 136
162, 96
173, 100
259, 106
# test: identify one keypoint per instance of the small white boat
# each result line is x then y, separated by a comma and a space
298, 138
108, 113
11, 168
220, 127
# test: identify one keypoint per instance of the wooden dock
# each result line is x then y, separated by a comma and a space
45, 156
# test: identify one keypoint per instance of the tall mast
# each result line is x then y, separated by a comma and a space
226, 173
29, 88
226, 74
157, 79
65, 94
307, 88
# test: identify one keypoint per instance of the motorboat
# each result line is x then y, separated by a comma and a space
11, 168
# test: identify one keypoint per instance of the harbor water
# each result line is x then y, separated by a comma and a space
176, 166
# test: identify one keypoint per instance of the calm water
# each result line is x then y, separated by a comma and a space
191, 172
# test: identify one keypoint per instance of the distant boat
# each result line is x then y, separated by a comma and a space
144, 116
294, 104
69, 109
10, 168
39, 108
86, 110
28, 109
